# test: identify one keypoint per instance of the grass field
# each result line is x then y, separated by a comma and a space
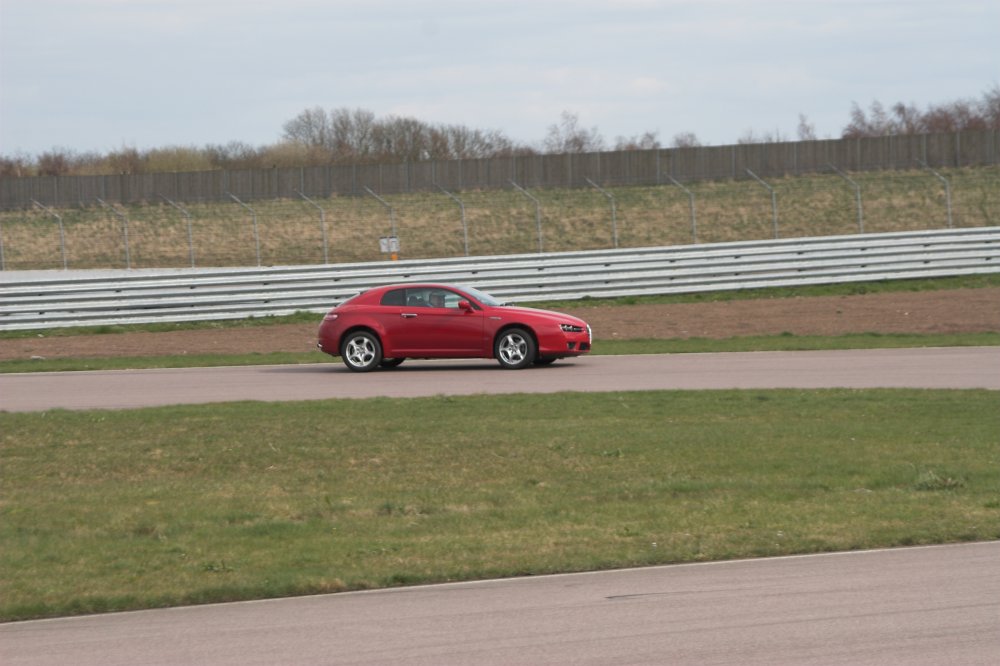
114, 510
496, 222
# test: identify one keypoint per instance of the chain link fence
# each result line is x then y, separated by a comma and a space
341, 229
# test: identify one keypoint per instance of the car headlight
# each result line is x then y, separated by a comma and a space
571, 328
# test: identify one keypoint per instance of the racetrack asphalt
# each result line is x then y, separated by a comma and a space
946, 368
931, 605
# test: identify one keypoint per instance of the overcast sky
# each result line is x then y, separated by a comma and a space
100, 75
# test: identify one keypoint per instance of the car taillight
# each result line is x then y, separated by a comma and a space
330, 316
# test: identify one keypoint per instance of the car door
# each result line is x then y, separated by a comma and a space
432, 324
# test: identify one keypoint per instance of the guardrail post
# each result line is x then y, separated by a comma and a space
774, 201
461, 207
614, 216
62, 231
857, 197
256, 234
124, 219
190, 235
947, 189
538, 211
694, 221
322, 225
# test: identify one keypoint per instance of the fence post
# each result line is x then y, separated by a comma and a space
857, 196
694, 222
461, 207
392, 217
256, 235
190, 235
124, 218
947, 190
614, 215
538, 211
774, 201
62, 231
322, 225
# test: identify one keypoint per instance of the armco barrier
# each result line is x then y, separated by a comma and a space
47, 300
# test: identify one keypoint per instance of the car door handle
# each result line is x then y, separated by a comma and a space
408, 315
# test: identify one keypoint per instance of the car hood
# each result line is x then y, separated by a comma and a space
550, 315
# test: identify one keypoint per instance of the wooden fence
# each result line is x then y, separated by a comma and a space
637, 167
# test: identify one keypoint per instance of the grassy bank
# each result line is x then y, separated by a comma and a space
112, 510
495, 221
601, 347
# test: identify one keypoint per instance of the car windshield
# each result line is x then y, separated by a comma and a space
481, 296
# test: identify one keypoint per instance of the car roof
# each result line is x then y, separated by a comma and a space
420, 285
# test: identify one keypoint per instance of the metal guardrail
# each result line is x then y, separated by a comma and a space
176, 295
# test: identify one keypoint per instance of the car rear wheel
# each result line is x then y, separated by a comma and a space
361, 351
515, 349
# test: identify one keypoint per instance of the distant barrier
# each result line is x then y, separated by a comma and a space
571, 170
55, 300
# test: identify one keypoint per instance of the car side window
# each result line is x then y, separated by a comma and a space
444, 298
393, 297
416, 298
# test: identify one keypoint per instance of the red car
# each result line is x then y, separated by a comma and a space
383, 326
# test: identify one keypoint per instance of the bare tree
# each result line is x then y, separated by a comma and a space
353, 134
874, 123
55, 162
963, 114
749, 136
568, 137
175, 158
685, 140
233, 155
356, 135
806, 130
344, 135
645, 141
311, 127
125, 161
989, 107
17, 166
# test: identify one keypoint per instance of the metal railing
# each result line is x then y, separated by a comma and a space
29, 301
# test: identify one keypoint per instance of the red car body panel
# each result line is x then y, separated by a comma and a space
465, 324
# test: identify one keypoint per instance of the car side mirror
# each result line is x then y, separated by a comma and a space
465, 305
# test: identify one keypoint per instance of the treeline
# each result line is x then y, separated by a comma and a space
317, 137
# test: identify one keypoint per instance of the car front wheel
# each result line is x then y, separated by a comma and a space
361, 351
515, 349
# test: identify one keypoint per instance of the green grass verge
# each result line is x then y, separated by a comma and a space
115, 510
786, 342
